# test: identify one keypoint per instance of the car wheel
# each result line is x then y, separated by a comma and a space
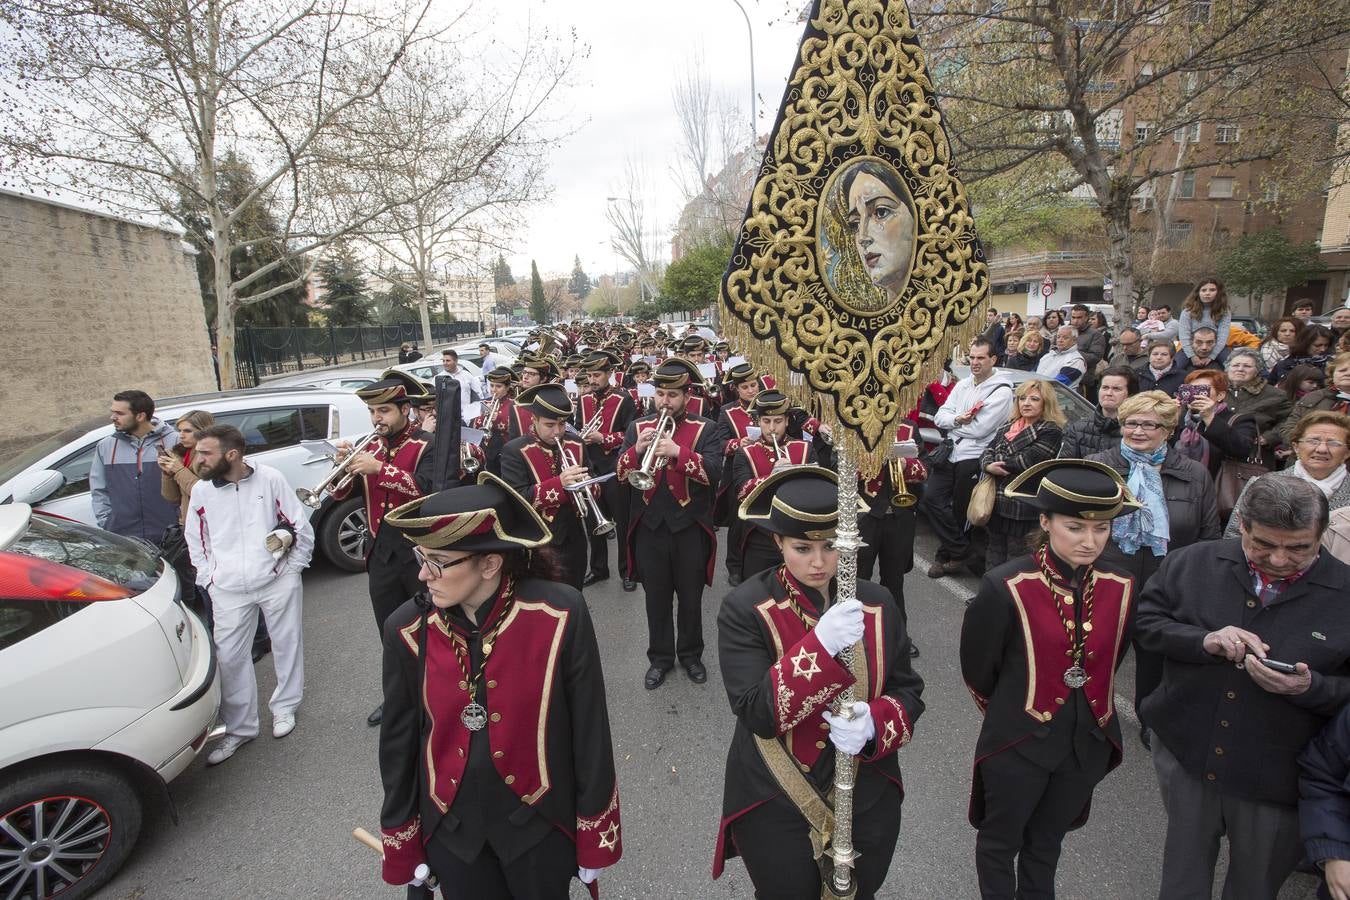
343, 535
65, 830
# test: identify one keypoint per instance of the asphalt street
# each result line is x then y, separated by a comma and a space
275, 821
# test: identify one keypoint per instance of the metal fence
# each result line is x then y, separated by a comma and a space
260, 352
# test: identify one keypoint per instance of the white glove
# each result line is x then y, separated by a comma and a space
587, 875
850, 735
420, 875
840, 627
278, 542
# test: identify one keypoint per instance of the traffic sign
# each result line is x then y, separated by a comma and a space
1047, 287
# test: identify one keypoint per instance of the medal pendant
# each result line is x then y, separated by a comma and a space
1074, 677
474, 716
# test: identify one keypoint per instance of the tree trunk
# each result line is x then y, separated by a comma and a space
226, 306
1119, 263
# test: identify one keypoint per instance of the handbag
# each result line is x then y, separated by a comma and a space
981, 506
940, 454
173, 548
1233, 477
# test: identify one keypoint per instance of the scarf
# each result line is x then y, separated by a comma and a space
1147, 526
1327, 485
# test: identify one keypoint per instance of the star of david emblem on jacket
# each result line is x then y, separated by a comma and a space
888, 734
550, 496
609, 838
804, 664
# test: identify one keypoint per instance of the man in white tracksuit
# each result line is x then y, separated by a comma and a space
249, 538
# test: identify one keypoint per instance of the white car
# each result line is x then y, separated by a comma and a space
54, 475
110, 692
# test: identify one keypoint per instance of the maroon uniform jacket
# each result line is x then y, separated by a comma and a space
548, 725
403, 477
877, 491
616, 412
1014, 651
779, 680
532, 469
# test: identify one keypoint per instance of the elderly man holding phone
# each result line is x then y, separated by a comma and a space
1256, 638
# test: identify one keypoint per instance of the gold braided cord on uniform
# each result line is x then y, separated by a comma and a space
859, 94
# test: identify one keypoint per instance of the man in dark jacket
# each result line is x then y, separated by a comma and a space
123, 475
1205, 354
1101, 431
1324, 804
1093, 343
1227, 736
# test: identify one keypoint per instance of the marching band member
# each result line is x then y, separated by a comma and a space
533, 465
888, 526
495, 751
640, 373
733, 423
1040, 646
778, 634
694, 349
750, 465
671, 545
500, 385
611, 412
534, 371
393, 468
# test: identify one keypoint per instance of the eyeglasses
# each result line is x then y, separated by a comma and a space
437, 569
1141, 426
1322, 442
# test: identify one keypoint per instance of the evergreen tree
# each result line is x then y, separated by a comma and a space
1267, 262
538, 303
235, 181
579, 285
348, 300
501, 273
397, 304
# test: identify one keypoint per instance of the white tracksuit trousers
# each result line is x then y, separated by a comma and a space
236, 616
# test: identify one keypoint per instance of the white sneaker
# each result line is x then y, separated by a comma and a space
225, 749
283, 725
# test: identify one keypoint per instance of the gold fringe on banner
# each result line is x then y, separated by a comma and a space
857, 266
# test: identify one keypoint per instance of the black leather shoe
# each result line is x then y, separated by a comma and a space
697, 673
655, 677
374, 718
592, 577
913, 650
261, 650
629, 586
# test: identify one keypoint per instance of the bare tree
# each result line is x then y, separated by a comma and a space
708, 160
1039, 92
635, 236
137, 102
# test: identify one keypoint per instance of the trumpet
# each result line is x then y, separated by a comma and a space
644, 478
585, 500
467, 461
337, 479
900, 450
489, 418
591, 427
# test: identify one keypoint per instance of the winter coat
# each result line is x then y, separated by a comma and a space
177, 488
124, 484
1035, 443
1268, 406
1168, 382
1325, 398
1084, 437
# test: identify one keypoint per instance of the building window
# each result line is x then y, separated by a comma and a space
1142, 132
1178, 233
1190, 133
1186, 190
1199, 10
1225, 134
1145, 74
1221, 188
1271, 192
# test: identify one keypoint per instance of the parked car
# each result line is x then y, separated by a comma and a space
328, 379
54, 475
110, 692
428, 368
1074, 405
1252, 324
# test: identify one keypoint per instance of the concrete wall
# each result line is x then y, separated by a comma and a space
91, 305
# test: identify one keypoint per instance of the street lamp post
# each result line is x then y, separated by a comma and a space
754, 97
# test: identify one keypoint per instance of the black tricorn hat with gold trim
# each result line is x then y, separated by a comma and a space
548, 401
770, 403
1081, 488
501, 375
797, 502
479, 518
740, 372
676, 373
394, 386
600, 361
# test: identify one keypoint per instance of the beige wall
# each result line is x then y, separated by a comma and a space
91, 305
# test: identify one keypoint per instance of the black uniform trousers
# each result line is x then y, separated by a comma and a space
672, 566
774, 841
614, 504
392, 573
545, 872
760, 553
946, 496
735, 541
890, 542
1029, 808
569, 542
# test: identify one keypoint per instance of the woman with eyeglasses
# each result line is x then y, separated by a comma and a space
1178, 506
1321, 442
495, 748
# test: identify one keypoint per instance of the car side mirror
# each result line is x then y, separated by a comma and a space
34, 487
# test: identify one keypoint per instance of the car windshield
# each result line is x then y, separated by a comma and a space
16, 464
123, 561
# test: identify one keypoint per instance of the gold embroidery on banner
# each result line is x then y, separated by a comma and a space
800, 285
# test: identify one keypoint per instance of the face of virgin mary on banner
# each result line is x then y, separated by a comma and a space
867, 235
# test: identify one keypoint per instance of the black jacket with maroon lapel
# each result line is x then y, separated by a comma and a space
616, 413
405, 474
779, 679
548, 723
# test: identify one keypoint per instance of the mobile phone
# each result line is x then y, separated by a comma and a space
1286, 668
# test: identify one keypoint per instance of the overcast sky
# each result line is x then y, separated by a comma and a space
621, 100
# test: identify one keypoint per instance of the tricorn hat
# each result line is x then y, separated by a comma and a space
549, 401
677, 373
479, 518
394, 386
769, 403
796, 501
501, 375
740, 372
1081, 488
